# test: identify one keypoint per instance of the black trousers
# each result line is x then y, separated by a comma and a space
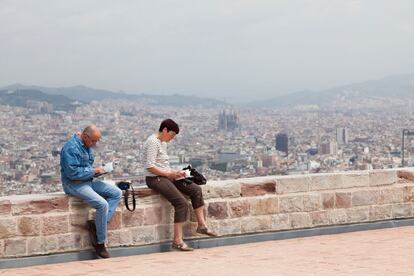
173, 192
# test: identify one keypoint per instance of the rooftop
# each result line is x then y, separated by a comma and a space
374, 252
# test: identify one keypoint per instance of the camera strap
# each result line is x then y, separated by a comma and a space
126, 198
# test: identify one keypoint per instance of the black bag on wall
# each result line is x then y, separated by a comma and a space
129, 189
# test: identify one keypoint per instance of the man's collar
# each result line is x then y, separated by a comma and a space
79, 140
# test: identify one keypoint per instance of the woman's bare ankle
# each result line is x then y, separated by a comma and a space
178, 241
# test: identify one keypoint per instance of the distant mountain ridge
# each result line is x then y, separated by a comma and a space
393, 89
23, 96
87, 94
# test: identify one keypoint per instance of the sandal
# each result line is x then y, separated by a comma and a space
181, 246
206, 231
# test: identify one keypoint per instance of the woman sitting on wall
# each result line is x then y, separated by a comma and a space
161, 178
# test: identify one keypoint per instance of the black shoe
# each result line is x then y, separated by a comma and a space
101, 251
92, 232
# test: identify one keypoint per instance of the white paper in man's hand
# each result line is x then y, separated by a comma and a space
109, 167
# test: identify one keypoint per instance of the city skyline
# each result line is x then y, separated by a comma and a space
242, 145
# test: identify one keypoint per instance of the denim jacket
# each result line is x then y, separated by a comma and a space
76, 161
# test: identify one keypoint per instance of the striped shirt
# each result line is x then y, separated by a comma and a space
155, 154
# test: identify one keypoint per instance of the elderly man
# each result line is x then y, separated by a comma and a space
77, 172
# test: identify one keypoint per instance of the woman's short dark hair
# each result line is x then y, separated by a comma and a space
170, 125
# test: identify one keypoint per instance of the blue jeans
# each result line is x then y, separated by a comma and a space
101, 196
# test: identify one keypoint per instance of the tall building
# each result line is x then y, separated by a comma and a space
228, 121
282, 142
342, 135
329, 147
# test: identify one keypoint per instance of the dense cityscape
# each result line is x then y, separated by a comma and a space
223, 143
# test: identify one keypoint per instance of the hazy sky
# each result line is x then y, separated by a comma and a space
234, 50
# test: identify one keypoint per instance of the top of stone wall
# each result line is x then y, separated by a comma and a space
243, 187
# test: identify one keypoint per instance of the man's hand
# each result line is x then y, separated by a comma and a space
99, 170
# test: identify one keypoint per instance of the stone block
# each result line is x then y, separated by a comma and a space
144, 192
116, 221
143, 235
125, 238
280, 222
8, 227
380, 212
217, 210
264, 206
85, 241
311, 202
288, 204
78, 221
300, 220
402, 210
320, 218
148, 200
292, 184
168, 214
46, 204
256, 187
189, 229
71, 241
405, 174
5, 207
408, 194
337, 216
164, 232
29, 226
391, 195
355, 179
239, 208
343, 200
255, 224
153, 215
357, 214
328, 200
77, 205
34, 245
382, 177
319, 182
114, 238
50, 244
361, 198
1, 248
228, 227
119, 238
15, 247
221, 189
55, 225
131, 219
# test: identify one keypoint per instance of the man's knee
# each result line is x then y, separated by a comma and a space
100, 205
117, 193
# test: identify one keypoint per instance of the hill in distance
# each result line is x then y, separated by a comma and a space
23, 96
87, 94
392, 90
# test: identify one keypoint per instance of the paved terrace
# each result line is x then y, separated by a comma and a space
376, 252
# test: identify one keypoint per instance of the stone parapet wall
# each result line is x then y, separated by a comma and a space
52, 223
